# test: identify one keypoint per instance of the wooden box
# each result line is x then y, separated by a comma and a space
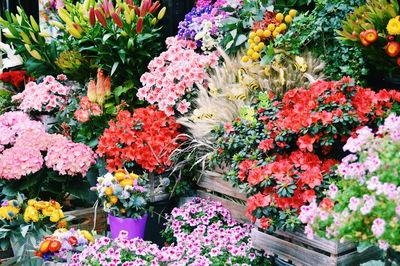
292, 247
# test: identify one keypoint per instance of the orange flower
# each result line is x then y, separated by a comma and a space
371, 35
392, 49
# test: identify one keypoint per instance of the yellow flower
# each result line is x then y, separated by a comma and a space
87, 235
9, 212
393, 27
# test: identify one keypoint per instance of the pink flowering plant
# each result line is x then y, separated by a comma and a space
43, 96
120, 251
172, 77
204, 233
366, 201
38, 163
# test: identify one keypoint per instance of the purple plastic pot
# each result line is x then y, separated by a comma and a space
134, 227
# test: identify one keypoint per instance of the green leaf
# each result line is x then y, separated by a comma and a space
25, 229
114, 67
241, 39
107, 36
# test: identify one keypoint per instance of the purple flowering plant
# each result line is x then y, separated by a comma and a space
367, 197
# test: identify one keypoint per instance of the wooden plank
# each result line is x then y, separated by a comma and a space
238, 211
214, 181
289, 251
355, 258
84, 219
329, 246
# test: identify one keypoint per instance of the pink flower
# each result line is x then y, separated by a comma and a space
62, 77
96, 109
183, 106
82, 115
378, 227
84, 103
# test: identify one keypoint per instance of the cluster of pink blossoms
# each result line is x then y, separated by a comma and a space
88, 109
45, 96
205, 233
22, 141
369, 191
170, 83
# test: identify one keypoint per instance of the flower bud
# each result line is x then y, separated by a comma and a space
92, 17
100, 17
139, 25
117, 20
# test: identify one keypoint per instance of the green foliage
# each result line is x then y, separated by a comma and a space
5, 101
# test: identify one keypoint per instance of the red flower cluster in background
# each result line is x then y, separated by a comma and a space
16, 78
287, 156
147, 137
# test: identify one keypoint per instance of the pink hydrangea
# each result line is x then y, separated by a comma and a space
173, 75
69, 158
45, 96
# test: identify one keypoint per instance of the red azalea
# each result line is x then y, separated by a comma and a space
309, 195
265, 223
228, 128
256, 175
311, 177
306, 142
245, 167
258, 200
327, 204
266, 145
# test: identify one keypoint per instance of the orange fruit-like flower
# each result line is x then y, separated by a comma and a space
392, 49
109, 191
371, 35
113, 199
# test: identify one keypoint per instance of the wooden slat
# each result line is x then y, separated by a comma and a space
355, 258
84, 219
238, 211
329, 246
288, 251
213, 181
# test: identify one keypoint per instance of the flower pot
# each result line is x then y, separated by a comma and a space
134, 227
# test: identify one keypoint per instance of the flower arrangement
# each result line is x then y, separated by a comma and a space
205, 234
19, 218
46, 96
364, 206
283, 150
173, 75
120, 251
58, 246
38, 163
201, 25
263, 32
123, 194
17, 79
147, 137
374, 28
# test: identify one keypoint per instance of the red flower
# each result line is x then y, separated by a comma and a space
256, 176
258, 200
245, 167
327, 204
266, 145
16, 78
306, 143
311, 177
265, 223
147, 137
309, 195
228, 128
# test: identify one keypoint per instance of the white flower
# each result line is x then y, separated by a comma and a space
11, 60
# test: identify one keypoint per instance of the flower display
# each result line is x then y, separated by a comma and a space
123, 194
204, 233
16, 78
44, 96
146, 137
379, 38
293, 143
23, 140
62, 242
19, 216
120, 251
272, 25
171, 81
365, 202
201, 25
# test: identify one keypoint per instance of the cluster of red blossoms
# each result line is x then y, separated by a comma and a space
148, 137
291, 155
16, 78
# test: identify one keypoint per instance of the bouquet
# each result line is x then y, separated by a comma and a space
62, 243
123, 194
281, 152
364, 205
22, 221
375, 27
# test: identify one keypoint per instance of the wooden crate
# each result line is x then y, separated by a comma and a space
85, 219
293, 247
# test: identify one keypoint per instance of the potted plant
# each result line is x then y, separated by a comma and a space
125, 199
